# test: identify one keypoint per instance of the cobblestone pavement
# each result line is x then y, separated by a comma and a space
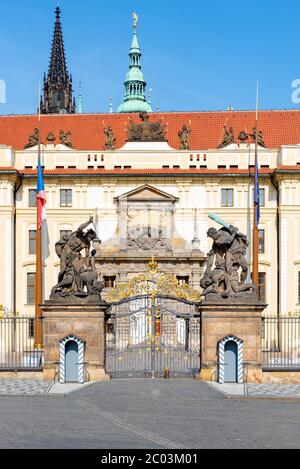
16, 387
259, 390
148, 414
274, 390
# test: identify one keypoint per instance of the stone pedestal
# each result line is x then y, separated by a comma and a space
86, 321
242, 321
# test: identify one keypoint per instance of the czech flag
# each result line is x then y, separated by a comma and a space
40, 196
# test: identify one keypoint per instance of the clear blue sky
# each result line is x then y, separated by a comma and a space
197, 55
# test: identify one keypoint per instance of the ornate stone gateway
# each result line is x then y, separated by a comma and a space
154, 330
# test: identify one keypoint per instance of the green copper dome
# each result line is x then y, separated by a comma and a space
135, 85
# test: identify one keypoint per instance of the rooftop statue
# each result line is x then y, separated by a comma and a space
78, 275
146, 131
184, 137
110, 138
260, 138
65, 139
228, 138
227, 266
33, 140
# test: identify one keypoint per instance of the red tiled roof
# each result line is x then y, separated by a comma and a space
151, 171
279, 128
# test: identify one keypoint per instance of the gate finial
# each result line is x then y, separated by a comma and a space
153, 266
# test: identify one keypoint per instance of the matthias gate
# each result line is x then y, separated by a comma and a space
153, 328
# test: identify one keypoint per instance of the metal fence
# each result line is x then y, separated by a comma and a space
17, 348
281, 344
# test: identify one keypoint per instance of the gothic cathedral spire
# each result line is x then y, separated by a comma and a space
58, 90
135, 85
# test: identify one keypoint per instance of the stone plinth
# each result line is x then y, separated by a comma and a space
242, 321
85, 321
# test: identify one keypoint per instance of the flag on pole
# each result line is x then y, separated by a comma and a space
256, 178
257, 191
41, 196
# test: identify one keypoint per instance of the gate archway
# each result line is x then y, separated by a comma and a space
154, 329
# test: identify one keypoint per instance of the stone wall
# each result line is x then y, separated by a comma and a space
83, 321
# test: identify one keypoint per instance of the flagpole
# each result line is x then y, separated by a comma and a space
255, 249
38, 330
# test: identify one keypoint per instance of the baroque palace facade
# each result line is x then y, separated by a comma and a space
150, 194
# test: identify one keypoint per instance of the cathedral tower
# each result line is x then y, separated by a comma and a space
135, 85
58, 90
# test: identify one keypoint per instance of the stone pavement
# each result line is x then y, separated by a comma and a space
148, 414
259, 390
14, 387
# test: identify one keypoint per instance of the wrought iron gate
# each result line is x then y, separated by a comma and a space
148, 336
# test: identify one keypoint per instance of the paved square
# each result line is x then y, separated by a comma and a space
259, 390
19, 387
130, 414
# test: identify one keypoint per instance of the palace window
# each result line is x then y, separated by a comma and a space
32, 198
32, 236
261, 241
183, 280
262, 286
262, 197
227, 197
110, 281
66, 197
30, 288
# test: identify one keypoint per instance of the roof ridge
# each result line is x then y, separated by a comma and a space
224, 111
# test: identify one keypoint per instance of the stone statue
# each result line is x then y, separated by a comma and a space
184, 137
146, 131
50, 138
33, 140
110, 138
89, 277
77, 272
260, 138
227, 266
147, 238
228, 138
65, 138
243, 136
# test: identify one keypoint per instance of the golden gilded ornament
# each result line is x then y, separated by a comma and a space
155, 284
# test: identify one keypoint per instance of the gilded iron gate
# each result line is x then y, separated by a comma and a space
150, 335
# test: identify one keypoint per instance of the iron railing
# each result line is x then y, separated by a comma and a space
281, 343
17, 348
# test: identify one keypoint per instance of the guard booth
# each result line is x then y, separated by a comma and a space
231, 360
71, 360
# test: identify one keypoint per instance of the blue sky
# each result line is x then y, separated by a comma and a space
197, 55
